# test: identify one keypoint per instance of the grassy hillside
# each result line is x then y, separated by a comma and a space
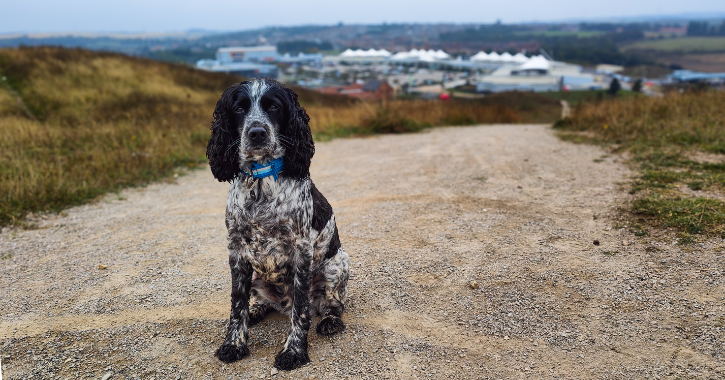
678, 144
77, 124
576, 97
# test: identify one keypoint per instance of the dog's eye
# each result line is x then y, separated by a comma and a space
239, 110
273, 108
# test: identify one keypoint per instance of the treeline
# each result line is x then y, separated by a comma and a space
302, 46
704, 28
585, 48
593, 50
182, 54
491, 33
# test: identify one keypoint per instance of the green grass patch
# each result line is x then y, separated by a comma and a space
689, 215
662, 135
561, 33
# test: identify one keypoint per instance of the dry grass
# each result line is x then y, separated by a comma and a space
89, 123
663, 135
77, 124
400, 116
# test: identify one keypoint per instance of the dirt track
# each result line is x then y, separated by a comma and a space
510, 207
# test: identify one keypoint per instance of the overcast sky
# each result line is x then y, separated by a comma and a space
28, 16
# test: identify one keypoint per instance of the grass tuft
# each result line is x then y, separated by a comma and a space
690, 215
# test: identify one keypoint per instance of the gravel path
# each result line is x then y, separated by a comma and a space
511, 208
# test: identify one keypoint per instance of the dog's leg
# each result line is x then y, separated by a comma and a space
257, 312
235, 345
294, 353
332, 293
261, 298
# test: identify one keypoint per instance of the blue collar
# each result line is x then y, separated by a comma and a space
261, 171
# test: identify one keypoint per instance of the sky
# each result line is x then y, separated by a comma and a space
50, 16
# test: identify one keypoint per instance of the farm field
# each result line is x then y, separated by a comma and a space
711, 62
556, 33
681, 45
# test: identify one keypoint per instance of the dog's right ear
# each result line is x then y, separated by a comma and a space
223, 158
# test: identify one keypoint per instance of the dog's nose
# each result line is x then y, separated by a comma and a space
257, 134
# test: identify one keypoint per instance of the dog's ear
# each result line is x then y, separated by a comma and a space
223, 158
298, 156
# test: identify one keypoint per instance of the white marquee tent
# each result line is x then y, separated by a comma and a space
359, 53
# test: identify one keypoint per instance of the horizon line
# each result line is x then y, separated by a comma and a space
140, 34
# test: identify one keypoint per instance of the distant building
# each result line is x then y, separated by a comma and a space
378, 89
252, 61
246, 61
258, 54
666, 32
245, 69
537, 74
688, 76
608, 69
301, 58
673, 31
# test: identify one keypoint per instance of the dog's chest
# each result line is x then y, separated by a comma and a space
269, 223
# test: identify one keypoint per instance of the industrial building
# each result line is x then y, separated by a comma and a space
538, 74
245, 69
688, 76
227, 55
252, 61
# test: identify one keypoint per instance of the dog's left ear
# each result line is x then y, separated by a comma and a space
298, 156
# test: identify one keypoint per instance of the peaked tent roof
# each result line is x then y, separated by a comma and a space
536, 63
349, 53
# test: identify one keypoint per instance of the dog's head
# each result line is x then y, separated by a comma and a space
255, 122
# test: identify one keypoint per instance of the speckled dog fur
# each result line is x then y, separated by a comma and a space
284, 248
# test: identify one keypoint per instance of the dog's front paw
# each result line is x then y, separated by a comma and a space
229, 353
288, 360
330, 325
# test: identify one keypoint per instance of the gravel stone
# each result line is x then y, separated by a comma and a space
549, 303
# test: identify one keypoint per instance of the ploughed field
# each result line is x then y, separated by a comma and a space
510, 207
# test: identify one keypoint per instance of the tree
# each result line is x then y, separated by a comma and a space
614, 87
302, 46
637, 86
704, 28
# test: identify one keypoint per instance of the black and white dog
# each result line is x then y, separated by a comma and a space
284, 249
